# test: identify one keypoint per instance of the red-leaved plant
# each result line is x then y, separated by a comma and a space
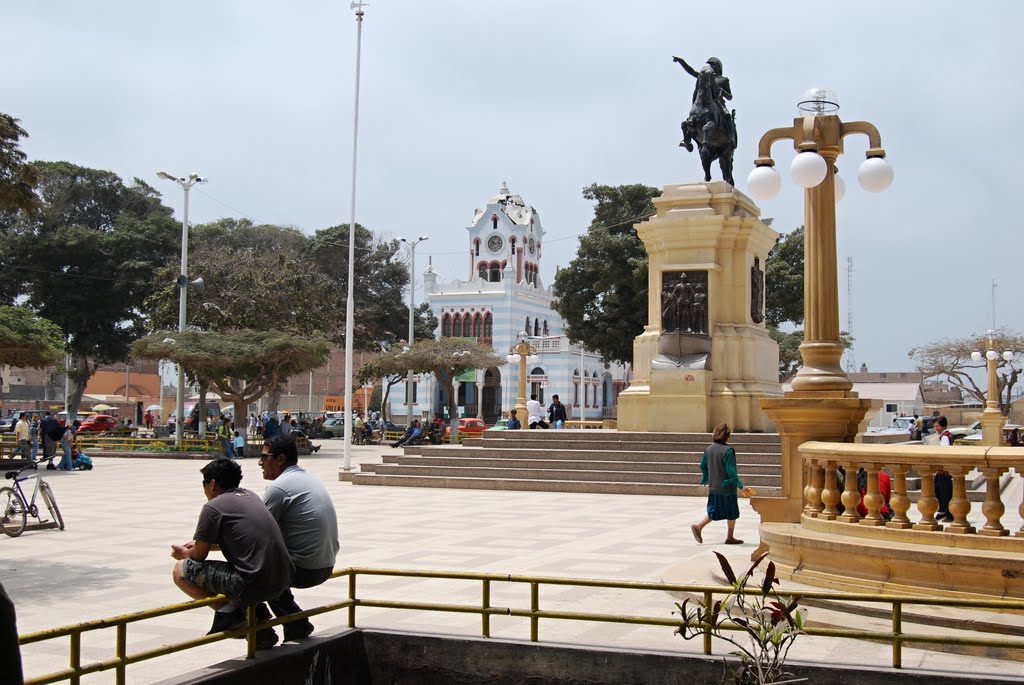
758, 621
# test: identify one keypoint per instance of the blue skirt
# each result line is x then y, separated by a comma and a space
723, 507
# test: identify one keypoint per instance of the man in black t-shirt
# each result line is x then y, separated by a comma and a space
258, 567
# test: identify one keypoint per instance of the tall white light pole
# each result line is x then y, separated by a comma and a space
357, 5
186, 185
412, 330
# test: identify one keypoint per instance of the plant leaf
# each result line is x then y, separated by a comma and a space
727, 568
769, 578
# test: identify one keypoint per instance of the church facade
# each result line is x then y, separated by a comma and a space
501, 302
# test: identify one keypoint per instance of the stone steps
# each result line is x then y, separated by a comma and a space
594, 461
560, 463
601, 487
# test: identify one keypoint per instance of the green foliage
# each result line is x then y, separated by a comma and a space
242, 365
446, 358
768, 623
789, 351
26, 340
951, 357
602, 294
784, 280
18, 178
85, 261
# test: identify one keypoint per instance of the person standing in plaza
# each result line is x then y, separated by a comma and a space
303, 509
513, 423
943, 481
556, 412
718, 470
33, 433
23, 437
51, 431
535, 413
225, 437
258, 567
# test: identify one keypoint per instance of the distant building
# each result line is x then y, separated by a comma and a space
501, 301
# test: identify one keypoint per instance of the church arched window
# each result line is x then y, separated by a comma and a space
528, 329
481, 270
456, 325
476, 246
545, 327
495, 272
446, 326
467, 326
494, 220
478, 326
488, 325
536, 327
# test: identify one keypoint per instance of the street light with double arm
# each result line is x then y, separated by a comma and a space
522, 353
992, 419
412, 317
183, 284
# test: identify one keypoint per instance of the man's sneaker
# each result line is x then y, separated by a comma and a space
298, 630
266, 638
227, 620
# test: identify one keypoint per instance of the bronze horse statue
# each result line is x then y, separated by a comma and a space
710, 124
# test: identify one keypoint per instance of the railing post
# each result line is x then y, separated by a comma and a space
709, 599
120, 650
927, 504
485, 616
75, 657
534, 608
814, 505
352, 599
873, 499
897, 631
959, 506
899, 502
1020, 471
851, 496
993, 507
830, 493
250, 633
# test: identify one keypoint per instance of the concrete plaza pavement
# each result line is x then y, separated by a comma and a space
114, 558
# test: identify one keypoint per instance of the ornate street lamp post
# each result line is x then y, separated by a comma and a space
522, 354
818, 138
992, 419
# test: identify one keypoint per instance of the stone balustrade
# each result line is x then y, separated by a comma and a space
822, 495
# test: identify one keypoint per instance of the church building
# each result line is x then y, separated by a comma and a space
502, 301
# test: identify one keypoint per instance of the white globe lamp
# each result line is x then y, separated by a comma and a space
840, 188
991, 355
976, 356
1008, 356
808, 169
764, 182
875, 174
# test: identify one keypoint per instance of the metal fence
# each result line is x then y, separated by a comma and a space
486, 610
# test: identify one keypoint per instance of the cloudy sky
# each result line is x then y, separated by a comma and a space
460, 95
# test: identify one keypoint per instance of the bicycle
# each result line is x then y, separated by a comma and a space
14, 509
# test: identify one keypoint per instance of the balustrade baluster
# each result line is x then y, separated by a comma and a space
814, 491
808, 477
851, 496
959, 506
873, 499
993, 508
830, 493
899, 503
1020, 472
927, 504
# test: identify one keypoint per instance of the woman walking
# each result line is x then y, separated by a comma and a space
718, 466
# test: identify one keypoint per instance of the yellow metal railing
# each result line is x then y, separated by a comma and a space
122, 658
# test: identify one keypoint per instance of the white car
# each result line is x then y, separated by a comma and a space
974, 437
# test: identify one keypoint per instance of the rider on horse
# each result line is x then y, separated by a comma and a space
709, 95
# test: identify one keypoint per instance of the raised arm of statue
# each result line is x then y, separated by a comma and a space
682, 62
723, 85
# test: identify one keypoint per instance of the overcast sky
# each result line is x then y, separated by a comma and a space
460, 95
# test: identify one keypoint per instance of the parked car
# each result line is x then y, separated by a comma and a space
501, 425
472, 426
98, 423
335, 428
974, 437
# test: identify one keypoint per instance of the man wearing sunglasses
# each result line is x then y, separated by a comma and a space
303, 509
235, 522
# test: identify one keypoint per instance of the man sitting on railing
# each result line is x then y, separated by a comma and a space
237, 523
412, 435
303, 509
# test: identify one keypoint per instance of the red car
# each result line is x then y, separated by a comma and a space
472, 426
98, 423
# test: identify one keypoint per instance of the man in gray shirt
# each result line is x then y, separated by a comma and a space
303, 509
235, 522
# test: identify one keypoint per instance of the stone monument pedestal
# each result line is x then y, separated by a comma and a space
705, 356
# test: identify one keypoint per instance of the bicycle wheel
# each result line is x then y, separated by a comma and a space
51, 503
13, 512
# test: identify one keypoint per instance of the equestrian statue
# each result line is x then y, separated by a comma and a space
710, 124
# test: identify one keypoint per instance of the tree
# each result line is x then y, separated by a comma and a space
18, 178
27, 340
242, 365
85, 261
951, 357
446, 358
256, 277
602, 294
